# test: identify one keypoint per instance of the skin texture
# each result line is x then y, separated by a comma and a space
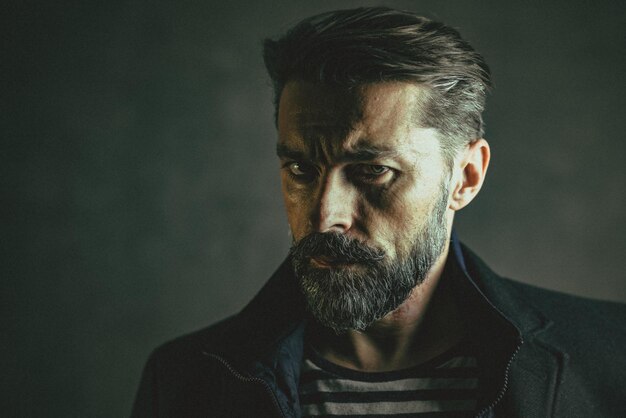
355, 162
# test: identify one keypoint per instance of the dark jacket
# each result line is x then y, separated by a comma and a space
550, 354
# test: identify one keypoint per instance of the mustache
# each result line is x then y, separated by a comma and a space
336, 246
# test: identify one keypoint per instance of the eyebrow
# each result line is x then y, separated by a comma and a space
284, 152
363, 153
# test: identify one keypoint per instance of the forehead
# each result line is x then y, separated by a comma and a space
381, 115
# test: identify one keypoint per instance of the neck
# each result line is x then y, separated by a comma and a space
424, 326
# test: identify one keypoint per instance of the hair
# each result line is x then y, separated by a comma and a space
349, 48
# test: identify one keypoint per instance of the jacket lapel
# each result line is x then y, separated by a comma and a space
535, 370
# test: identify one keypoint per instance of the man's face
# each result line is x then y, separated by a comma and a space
366, 195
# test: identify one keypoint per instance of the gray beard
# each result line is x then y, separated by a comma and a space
352, 298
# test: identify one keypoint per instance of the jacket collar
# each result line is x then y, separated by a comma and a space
496, 294
533, 370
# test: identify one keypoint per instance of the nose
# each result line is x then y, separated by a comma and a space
336, 207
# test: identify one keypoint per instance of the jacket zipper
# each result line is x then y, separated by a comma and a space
249, 379
506, 381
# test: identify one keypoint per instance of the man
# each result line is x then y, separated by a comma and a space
379, 310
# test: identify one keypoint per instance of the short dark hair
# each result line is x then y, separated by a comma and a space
377, 44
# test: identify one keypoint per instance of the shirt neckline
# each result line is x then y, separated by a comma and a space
461, 349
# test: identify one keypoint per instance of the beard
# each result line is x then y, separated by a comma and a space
363, 284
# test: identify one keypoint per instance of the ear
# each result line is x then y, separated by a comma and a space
472, 170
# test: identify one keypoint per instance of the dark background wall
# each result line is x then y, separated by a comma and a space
140, 196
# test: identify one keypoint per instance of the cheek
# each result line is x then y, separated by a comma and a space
385, 221
295, 208
394, 216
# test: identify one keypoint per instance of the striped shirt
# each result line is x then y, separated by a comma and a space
445, 386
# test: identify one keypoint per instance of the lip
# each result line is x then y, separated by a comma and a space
327, 262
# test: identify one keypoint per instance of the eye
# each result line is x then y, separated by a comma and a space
300, 171
297, 169
375, 170
373, 173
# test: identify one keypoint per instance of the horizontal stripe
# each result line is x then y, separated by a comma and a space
344, 385
388, 396
436, 414
388, 407
459, 372
458, 361
333, 370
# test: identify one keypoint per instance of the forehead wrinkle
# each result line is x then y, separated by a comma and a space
363, 150
314, 127
316, 145
324, 142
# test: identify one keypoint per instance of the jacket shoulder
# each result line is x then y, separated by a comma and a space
573, 314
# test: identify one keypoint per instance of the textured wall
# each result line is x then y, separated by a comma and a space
140, 195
